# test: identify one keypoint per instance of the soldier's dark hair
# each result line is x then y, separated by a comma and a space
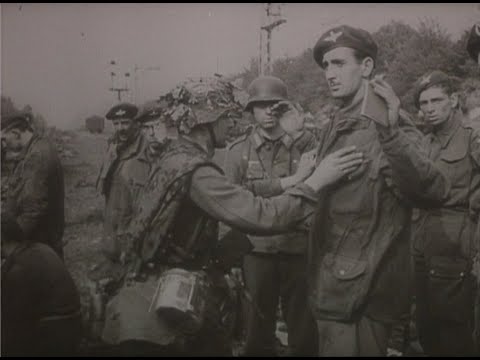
449, 88
361, 55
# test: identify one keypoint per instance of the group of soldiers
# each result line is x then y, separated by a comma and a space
340, 226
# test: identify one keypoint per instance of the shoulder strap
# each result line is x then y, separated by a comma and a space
246, 154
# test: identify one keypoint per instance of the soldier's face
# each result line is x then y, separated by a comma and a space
436, 105
154, 130
262, 112
222, 130
148, 129
12, 140
344, 73
124, 129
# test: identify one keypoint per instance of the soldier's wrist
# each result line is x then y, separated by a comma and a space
314, 184
290, 181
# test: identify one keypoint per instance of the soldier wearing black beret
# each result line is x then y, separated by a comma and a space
124, 170
434, 78
122, 111
149, 119
359, 243
443, 253
345, 36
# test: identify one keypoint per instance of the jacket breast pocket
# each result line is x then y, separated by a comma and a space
254, 170
339, 287
450, 289
455, 163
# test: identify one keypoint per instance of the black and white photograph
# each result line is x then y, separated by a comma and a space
240, 179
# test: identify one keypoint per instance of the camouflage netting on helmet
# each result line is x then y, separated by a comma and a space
202, 101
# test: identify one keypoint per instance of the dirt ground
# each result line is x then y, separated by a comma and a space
83, 206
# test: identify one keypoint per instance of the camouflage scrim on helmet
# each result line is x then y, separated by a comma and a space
202, 101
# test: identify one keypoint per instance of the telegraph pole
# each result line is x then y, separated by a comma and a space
118, 90
271, 20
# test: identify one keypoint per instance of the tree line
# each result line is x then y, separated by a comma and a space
405, 53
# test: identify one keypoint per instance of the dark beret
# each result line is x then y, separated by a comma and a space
432, 78
345, 36
149, 111
473, 43
15, 117
122, 111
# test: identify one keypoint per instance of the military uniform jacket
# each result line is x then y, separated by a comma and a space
123, 174
258, 163
175, 227
449, 231
36, 193
359, 244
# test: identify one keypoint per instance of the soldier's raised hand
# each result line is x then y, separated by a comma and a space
385, 90
306, 164
289, 117
334, 167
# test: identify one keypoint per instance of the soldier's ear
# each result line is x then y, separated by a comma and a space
367, 67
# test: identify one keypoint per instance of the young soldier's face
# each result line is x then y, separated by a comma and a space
154, 130
343, 72
262, 112
437, 105
148, 129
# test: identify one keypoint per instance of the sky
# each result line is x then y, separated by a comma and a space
57, 57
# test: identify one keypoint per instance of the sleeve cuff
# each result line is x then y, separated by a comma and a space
305, 191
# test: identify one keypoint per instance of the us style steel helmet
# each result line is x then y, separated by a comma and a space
266, 88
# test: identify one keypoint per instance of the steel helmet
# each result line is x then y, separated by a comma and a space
202, 101
266, 88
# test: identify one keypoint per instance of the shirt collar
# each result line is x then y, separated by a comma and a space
260, 137
348, 117
445, 133
354, 108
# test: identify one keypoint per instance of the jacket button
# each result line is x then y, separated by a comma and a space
432, 272
342, 272
462, 274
